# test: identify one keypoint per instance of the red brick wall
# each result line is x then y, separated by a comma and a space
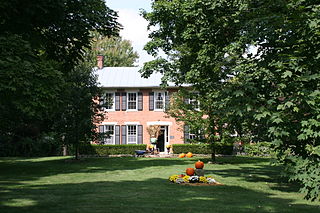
142, 117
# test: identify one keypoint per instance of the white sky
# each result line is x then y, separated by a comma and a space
134, 25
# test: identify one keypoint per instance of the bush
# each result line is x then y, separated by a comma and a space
46, 145
258, 149
221, 148
105, 150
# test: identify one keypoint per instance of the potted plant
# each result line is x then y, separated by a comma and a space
154, 132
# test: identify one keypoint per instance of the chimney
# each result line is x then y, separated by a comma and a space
100, 61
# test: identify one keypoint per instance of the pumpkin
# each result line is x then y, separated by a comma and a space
189, 155
182, 155
190, 171
199, 172
199, 165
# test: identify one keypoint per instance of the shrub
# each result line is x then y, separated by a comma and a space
105, 150
258, 149
221, 148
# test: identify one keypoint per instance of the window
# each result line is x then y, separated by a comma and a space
159, 100
132, 134
109, 101
108, 137
132, 101
194, 102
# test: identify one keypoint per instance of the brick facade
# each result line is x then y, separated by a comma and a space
144, 117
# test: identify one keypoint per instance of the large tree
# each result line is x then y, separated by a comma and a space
211, 44
117, 52
41, 43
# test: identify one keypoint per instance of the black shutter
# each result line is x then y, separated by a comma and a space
140, 101
124, 134
101, 100
151, 101
186, 133
167, 98
140, 134
117, 134
117, 101
124, 102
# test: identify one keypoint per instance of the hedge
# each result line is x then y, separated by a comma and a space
258, 149
105, 150
221, 148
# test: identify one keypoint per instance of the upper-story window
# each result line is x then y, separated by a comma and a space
109, 101
159, 100
132, 101
194, 102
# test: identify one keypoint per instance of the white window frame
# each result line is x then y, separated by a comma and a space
113, 100
112, 136
163, 93
191, 101
131, 92
136, 135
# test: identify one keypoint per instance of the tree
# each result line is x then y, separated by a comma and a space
276, 89
118, 52
41, 43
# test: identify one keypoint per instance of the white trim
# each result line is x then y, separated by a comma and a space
163, 93
108, 123
132, 123
127, 134
161, 123
136, 109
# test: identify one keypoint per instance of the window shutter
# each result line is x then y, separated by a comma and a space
124, 101
140, 134
186, 100
101, 131
117, 101
124, 134
167, 98
117, 134
151, 101
186, 132
101, 100
140, 101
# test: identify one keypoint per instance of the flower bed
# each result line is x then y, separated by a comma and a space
193, 180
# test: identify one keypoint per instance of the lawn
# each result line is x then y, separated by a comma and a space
58, 184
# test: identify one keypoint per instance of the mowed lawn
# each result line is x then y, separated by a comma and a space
58, 184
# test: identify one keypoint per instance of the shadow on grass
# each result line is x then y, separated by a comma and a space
151, 195
23, 169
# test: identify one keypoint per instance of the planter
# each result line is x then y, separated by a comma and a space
153, 140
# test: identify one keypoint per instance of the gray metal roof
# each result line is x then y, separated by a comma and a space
127, 77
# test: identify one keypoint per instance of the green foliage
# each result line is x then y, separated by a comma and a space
259, 149
105, 150
42, 85
45, 145
221, 148
117, 52
254, 64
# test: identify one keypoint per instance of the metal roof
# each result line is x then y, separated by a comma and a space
127, 77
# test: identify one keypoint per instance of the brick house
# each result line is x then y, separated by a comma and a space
133, 103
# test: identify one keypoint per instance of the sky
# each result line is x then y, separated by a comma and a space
134, 25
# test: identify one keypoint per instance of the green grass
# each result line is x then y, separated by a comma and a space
58, 184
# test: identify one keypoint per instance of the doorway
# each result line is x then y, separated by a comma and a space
163, 138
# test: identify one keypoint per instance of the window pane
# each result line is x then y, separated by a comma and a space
109, 101
159, 100
109, 134
132, 100
132, 134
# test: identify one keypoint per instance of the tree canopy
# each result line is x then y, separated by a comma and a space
41, 46
117, 52
256, 62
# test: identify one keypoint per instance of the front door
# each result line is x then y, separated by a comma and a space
162, 138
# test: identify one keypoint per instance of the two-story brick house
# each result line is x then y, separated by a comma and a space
133, 103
